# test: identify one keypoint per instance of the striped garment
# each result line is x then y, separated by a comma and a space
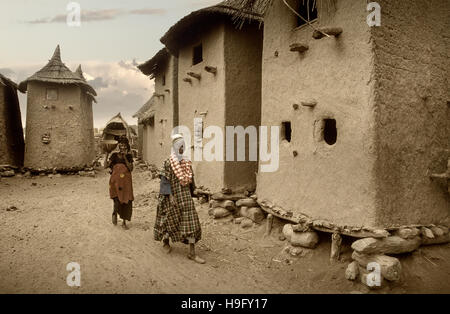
182, 169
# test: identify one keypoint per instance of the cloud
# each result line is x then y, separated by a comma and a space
129, 65
98, 83
99, 15
149, 11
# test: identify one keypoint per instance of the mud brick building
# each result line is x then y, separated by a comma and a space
219, 80
364, 111
59, 129
12, 144
159, 115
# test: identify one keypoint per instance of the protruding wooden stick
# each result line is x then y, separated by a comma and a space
336, 241
311, 103
333, 31
194, 75
269, 224
211, 69
187, 79
299, 47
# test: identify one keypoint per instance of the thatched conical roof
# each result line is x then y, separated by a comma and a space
56, 72
155, 64
175, 36
79, 72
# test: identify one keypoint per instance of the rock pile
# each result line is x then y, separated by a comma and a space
7, 171
372, 257
300, 236
242, 206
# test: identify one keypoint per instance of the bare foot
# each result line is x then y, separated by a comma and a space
196, 259
125, 226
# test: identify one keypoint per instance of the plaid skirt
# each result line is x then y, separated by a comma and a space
179, 222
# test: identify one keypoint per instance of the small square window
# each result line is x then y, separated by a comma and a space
197, 56
52, 94
308, 10
286, 131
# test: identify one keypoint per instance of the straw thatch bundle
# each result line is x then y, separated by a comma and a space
155, 64
145, 108
56, 72
197, 21
262, 6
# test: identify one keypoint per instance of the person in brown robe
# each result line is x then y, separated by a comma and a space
121, 183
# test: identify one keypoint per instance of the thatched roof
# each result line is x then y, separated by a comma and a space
262, 6
79, 72
7, 82
155, 64
146, 107
197, 20
56, 72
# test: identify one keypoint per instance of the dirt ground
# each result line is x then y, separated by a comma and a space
68, 219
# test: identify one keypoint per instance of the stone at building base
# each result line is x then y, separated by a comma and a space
219, 212
246, 223
352, 271
7, 173
408, 233
225, 197
229, 205
389, 245
308, 239
247, 202
391, 268
437, 240
253, 213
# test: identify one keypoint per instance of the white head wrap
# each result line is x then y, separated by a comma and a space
177, 142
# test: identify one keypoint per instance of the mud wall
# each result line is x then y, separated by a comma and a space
64, 120
333, 182
206, 95
243, 66
412, 63
11, 132
157, 143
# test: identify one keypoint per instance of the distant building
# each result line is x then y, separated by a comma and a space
158, 116
364, 111
11, 133
59, 129
219, 80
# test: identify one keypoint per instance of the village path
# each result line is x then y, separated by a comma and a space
68, 219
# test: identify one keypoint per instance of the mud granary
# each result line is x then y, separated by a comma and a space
364, 111
59, 128
159, 115
219, 82
12, 144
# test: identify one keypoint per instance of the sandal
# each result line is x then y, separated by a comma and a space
196, 259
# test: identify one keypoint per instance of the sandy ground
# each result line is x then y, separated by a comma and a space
68, 219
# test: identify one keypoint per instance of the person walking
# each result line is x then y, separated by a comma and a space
121, 182
176, 217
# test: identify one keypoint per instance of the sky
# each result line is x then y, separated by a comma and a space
114, 37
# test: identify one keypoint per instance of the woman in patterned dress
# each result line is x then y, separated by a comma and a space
176, 217
121, 183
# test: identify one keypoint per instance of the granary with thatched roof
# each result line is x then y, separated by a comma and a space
59, 129
159, 115
363, 110
12, 144
219, 81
